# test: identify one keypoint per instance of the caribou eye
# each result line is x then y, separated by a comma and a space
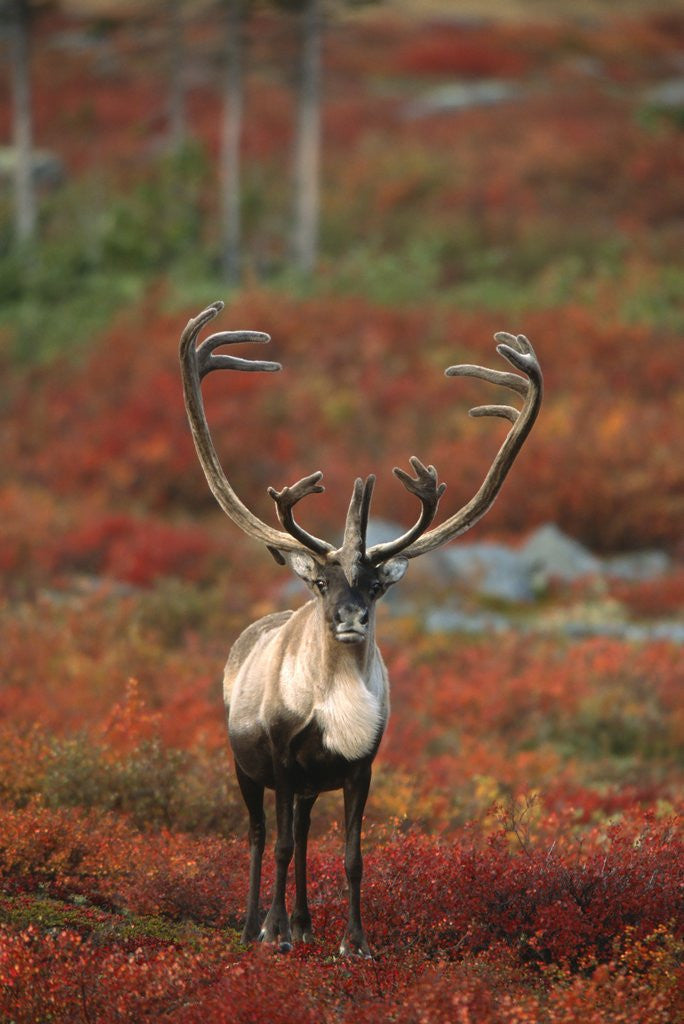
375, 588
321, 585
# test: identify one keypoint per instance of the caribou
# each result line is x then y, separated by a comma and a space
306, 691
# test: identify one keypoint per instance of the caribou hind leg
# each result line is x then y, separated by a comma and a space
301, 918
356, 787
253, 795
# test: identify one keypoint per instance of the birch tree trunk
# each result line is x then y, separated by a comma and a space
22, 128
308, 141
231, 133
176, 97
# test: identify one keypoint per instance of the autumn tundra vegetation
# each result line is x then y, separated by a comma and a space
523, 855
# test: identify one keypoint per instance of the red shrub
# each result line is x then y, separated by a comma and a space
657, 598
132, 441
462, 52
557, 904
124, 548
458, 925
61, 977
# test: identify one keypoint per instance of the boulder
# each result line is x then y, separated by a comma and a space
638, 565
549, 554
490, 570
457, 96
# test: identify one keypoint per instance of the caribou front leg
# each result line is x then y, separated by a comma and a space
277, 923
356, 788
301, 918
253, 795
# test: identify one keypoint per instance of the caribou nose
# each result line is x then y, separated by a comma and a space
351, 614
350, 621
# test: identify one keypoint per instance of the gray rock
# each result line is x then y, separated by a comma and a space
451, 620
462, 96
673, 631
490, 570
634, 632
638, 565
550, 554
669, 94
380, 531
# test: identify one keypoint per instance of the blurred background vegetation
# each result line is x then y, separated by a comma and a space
335, 148
380, 186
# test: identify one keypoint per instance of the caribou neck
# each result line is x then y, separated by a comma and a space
337, 658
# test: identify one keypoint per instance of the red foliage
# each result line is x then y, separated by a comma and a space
565, 903
62, 976
132, 441
657, 598
136, 551
434, 908
463, 51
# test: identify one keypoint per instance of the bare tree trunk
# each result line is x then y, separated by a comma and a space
308, 141
176, 110
22, 129
230, 144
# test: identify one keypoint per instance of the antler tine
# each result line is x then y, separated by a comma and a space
426, 487
196, 363
285, 501
505, 411
518, 351
206, 362
353, 550
364, 510
500, 377
356, 525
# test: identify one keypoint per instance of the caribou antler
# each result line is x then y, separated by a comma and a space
520, 354
426, 487
196, 363
285, 501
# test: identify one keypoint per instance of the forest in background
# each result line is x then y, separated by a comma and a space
524, 856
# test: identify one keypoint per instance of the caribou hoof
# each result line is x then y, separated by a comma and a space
301, 933
349, 947
282, 945
249, 933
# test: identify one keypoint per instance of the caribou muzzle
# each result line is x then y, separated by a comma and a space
350, 624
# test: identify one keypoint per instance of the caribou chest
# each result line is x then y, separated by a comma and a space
351, 713
349, 707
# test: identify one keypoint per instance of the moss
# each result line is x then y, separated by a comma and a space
125, 928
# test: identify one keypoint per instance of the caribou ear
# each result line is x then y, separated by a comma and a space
303, 565
392, 571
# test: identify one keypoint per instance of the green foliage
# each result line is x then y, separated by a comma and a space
385, 277
100, 245
153, 785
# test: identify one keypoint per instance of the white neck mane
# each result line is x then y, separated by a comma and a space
350, 713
